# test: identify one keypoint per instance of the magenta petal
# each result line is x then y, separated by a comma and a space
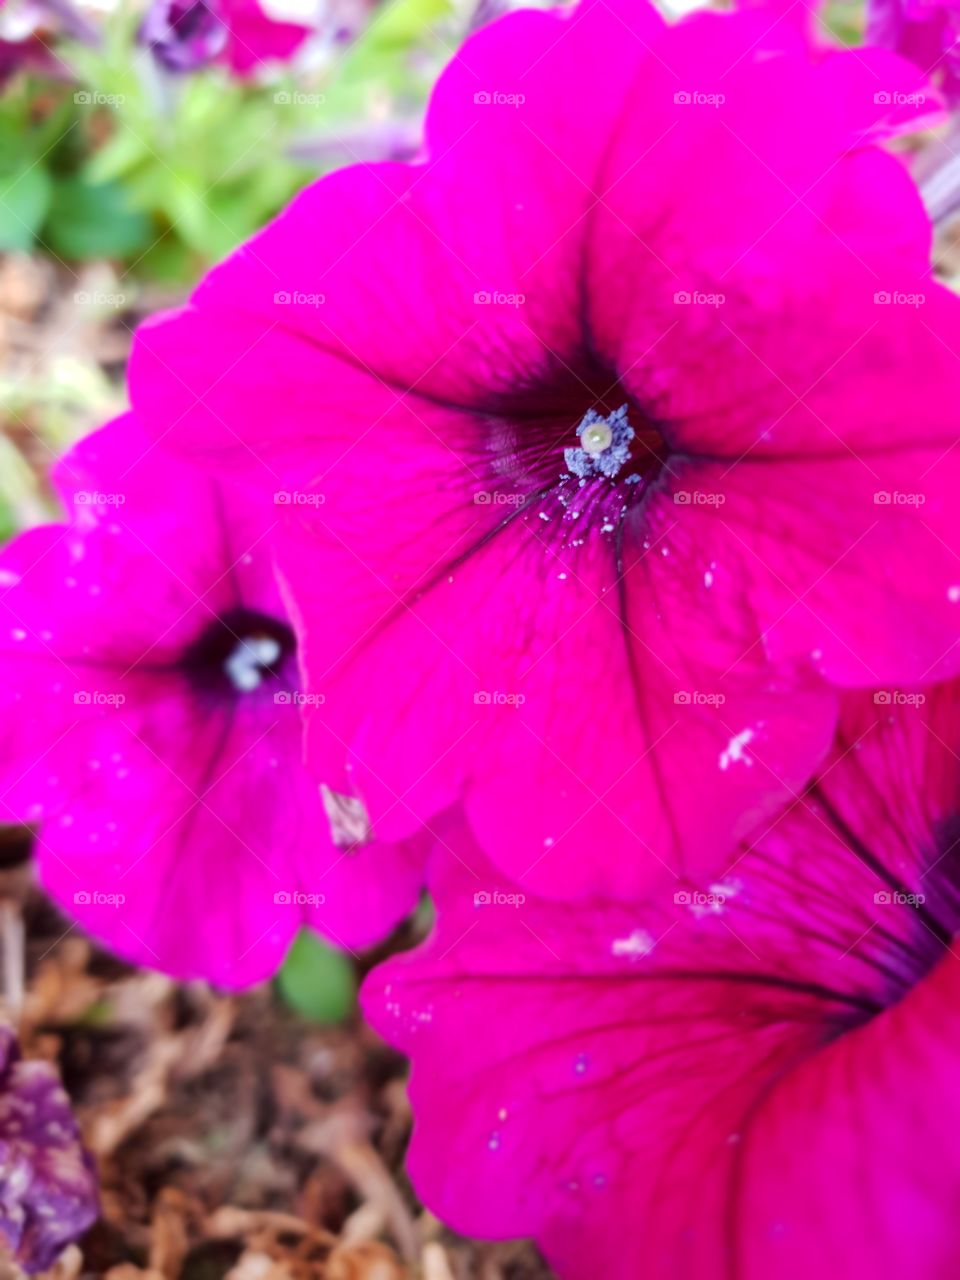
254, 38
655, 1085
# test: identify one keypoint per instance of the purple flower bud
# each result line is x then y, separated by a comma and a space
183, 34
48, 1194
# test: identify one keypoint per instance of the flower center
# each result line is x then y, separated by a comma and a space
570, 453
604, 445
250, 661
237, 652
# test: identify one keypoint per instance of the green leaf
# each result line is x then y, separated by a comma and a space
317, 980
24, 200
402, 23
94, 221
8, 523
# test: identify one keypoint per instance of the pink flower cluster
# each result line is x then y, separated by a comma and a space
566, 521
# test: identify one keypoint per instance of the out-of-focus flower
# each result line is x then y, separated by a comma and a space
256, 34
48, 1195
150, 723
187, 34
183, 34
29, 33
750, 1077
925, 31
633, 410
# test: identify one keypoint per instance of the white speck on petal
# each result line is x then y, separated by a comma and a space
638, 943
735, 752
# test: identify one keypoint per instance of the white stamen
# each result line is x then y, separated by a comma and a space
246, 664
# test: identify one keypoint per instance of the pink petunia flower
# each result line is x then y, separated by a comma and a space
622, 427
752, 1077
925, 31
149, 724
